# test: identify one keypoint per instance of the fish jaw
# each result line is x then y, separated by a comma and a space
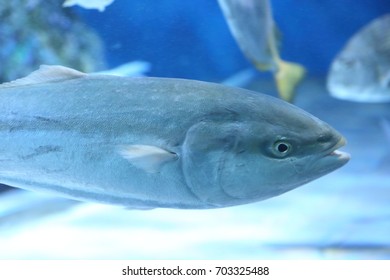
331, 159
342, 156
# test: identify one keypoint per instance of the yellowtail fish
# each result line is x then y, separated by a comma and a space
157, 142
255, 31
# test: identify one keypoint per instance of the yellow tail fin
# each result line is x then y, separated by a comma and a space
287, 77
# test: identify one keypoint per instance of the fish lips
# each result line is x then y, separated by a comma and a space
332, 159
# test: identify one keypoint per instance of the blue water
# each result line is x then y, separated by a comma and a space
190, 39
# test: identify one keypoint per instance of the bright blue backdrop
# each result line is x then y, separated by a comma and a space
189, 38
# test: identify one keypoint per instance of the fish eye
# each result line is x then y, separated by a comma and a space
282, 148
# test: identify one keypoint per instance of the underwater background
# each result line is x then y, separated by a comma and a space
343, 215
190, 39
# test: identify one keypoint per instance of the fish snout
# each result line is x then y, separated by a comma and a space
330, 158
342, 157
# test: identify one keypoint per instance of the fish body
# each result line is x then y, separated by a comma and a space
89, 4
252, 25
157, 142
361, 71
255, 31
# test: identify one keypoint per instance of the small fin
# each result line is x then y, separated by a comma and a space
241, 79
46, 74
148, 158
287, 77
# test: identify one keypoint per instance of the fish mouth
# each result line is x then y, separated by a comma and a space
339, 155
330, 159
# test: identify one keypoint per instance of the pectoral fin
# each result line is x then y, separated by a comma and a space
287, 78
147, 158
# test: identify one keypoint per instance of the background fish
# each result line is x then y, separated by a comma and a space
129, 69
254, 29
154, 142
361, 72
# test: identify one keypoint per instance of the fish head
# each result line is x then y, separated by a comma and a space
241, 161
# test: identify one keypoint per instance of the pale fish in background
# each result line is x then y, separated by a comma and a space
89, 4
254, 29
240, 79
157, 142
361, 71
136, 68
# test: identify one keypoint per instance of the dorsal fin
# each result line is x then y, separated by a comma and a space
46, 74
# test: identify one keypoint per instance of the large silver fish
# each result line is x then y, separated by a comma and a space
254, 29
361, 72
154, 142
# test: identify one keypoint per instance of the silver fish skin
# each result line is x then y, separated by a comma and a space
361, 71
157, 142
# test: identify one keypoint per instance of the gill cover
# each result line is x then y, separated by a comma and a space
216, 163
